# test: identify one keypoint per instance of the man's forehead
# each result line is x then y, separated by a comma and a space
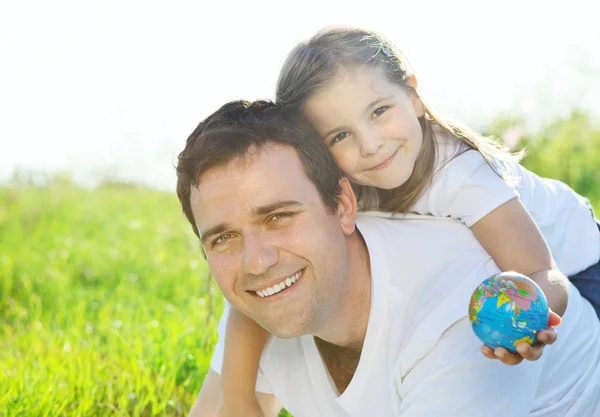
264, 177
269, 157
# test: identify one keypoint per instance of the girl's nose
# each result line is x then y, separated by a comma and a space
370, 143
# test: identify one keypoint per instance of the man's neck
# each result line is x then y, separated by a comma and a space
340, 340
348, 324
340, 362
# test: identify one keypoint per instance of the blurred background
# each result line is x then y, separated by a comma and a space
105, 303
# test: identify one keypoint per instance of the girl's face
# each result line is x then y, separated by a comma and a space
370, 125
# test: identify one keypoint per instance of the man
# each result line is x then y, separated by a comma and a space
375, 322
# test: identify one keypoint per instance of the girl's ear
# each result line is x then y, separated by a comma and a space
413, 93
412, 82
347, 207
417, 104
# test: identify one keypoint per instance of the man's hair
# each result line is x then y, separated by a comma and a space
241, 127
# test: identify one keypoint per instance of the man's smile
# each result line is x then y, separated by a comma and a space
280, 286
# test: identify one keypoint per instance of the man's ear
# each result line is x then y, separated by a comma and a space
347, 207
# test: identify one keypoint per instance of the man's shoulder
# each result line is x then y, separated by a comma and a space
429, 266
417, 254
401, 228
373, 219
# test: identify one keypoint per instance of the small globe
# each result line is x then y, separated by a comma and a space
507, 309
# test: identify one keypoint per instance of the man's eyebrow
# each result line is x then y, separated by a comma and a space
220, 228
269, 208
259, 211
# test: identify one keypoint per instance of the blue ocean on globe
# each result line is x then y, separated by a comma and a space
507, 309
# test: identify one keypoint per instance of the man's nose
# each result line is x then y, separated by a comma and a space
370, 141
259, 254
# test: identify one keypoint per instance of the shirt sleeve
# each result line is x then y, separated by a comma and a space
456, 380
467, 188
216, 362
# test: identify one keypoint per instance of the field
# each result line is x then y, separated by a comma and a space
106, 307
105, 303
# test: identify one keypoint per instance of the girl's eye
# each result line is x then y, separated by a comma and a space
339, 137
378, 112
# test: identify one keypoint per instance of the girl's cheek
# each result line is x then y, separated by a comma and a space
346, 165
346, 157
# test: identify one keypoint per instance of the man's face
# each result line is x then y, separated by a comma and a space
273, 248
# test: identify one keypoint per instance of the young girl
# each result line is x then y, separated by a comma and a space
358, 91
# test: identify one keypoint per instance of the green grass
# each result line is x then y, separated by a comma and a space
106, 308
105, 304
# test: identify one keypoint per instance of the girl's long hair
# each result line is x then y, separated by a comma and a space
313, 64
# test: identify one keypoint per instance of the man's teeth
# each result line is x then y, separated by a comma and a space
278, 287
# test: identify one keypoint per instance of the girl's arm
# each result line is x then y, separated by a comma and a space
512, 238
244, 343
208, 398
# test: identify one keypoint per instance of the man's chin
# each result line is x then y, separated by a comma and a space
288, 335
286, 331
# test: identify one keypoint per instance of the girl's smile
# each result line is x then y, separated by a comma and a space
386, 163
370, 125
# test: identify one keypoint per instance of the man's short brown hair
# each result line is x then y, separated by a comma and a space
240, 127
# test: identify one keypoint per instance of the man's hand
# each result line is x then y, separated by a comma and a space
525, 350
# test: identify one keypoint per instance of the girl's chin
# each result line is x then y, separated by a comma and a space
382, 185
388, 187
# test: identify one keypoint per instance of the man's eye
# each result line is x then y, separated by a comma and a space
378, 112
222, 239
279, 216
339, 137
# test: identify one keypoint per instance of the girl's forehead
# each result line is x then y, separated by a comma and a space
362, 83
357, 88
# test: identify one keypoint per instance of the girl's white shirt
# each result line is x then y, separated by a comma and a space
465, 187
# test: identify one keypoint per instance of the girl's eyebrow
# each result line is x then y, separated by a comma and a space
331, 131
370, 106
376, 102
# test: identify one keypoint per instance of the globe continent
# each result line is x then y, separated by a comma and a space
507, 309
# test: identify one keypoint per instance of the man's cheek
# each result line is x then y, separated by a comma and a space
220, 276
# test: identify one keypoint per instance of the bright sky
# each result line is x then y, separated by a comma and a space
113, 88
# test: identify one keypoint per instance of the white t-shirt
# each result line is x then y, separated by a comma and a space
420, 357
465, 187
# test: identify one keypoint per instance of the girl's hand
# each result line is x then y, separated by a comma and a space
525, 350
238, 406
